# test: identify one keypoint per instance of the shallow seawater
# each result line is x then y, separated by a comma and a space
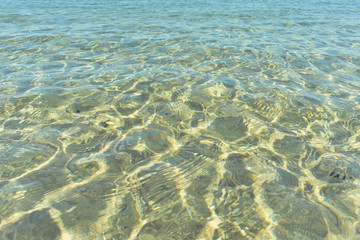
179, 119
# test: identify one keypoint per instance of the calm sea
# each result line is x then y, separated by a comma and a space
155, 119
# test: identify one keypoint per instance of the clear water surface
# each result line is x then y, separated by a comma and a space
183, 119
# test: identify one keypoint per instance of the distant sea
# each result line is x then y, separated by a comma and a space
148, 119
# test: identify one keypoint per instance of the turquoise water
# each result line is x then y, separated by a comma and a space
179, 119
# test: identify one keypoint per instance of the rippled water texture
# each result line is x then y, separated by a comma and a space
179, 119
